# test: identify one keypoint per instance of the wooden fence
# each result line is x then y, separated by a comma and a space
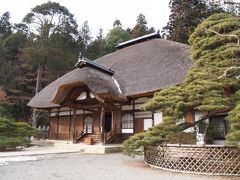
208, 159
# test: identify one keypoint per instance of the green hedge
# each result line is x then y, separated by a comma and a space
13, 134
8, 143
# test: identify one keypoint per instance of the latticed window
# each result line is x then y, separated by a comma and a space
220, 127
127, 121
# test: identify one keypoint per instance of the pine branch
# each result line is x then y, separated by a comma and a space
228, 69
225, 35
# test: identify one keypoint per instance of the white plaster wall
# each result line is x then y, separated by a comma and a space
219, 142
147, 123
158, 118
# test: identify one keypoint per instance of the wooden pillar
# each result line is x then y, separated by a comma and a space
83, 118
102, 123
134, 120
70, 124
58, 117
49, 129
73, 127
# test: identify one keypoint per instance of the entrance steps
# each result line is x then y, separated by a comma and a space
96, 137
102, 149
97, 148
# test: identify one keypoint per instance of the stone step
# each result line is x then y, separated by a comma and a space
96, 137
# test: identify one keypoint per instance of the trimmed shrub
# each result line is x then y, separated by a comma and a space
13, 134
6, 143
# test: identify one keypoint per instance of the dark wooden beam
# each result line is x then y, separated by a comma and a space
152, 119
102, 122
147, 94
74, 123
93, 107
100, 99
134, 120
58, 116
50, 127
70, 124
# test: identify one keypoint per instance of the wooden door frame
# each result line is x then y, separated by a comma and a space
86, 116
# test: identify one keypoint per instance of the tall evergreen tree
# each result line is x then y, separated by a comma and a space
95, 49
116, 23
51, 48
184, 18
115, 36
5, 25
17, 92
141, 28
84, 38
230, 6
52, 39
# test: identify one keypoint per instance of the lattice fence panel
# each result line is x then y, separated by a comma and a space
219, 160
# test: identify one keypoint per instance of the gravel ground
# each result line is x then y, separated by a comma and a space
90, 167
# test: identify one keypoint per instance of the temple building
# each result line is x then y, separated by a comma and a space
102, 99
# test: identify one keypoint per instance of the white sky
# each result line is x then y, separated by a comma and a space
99, 13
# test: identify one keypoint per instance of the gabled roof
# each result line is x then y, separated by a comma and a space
138, 69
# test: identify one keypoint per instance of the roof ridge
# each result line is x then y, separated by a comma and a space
84, 62
138, 40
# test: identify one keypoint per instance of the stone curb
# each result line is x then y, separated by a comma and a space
39, 153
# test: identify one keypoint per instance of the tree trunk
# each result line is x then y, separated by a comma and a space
38, 86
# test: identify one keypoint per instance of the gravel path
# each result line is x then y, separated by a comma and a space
91, 167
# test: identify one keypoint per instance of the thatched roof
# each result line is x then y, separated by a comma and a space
138, 69
55, 93
149, 66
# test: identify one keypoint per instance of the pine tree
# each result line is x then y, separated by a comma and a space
230, 6
95, 48
141, 28
184, 18
84, 39
5, 25
116, 23
212, 85
52, 39
115, 36
18, 93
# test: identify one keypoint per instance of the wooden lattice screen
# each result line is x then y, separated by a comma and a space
217, 160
